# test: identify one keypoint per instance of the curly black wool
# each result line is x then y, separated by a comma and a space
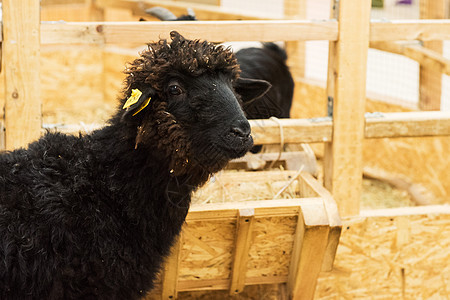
93, 216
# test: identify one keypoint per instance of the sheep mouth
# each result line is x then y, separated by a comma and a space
235, 147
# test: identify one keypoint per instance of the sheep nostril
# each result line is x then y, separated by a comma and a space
241, 131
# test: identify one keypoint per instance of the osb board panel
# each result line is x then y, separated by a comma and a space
423, 160
270, 252
252, 292
71, 81
207, 250
114, 62
208, 246
72, 85
403, 257
400, 257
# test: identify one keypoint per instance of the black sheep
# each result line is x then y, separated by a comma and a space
267, 63
93, 216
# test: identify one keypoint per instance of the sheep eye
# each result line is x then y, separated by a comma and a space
175, 90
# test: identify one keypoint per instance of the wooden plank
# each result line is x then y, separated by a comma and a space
244, 229
407, 124
296, 51
21, 53
430, 79
170, 272
213, 31
343, 157
310, 186
407, 211
309, 248
202, 11
219, 31
424, 56
223, 284
263, 208
422, 30
295, 130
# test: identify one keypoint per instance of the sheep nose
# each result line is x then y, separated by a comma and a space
241, 129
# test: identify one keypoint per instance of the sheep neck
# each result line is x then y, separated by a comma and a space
136, 169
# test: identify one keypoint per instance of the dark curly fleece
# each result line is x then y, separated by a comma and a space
92, 217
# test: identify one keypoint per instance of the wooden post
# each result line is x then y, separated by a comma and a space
430, 80
346, 90
296, 51
310, 244
21, 53
244, 229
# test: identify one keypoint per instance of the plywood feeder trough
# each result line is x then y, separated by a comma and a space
236, 234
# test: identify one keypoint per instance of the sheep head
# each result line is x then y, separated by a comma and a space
190, 106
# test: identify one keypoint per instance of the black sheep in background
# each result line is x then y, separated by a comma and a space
268, 63
93, 216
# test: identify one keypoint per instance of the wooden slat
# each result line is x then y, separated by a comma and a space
408, 124
309, 248
423, 30
219, 31
263, 208
296, 51
430, 79
301, 130
214, 31
244, 229
310, 187
223, 284
377, 125
170, 272
424, 56
21, 55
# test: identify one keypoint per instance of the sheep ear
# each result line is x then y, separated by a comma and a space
137, 101
251, 89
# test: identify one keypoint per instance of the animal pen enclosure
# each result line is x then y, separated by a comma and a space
378, 251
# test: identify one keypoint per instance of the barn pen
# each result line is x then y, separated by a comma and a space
283, 246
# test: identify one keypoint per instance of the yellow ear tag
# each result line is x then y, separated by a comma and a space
144, 104
135, 95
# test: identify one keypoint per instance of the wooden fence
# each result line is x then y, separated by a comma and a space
350, 32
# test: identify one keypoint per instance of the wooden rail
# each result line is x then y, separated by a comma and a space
214, 31
377, 125
220, 31
424, 56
